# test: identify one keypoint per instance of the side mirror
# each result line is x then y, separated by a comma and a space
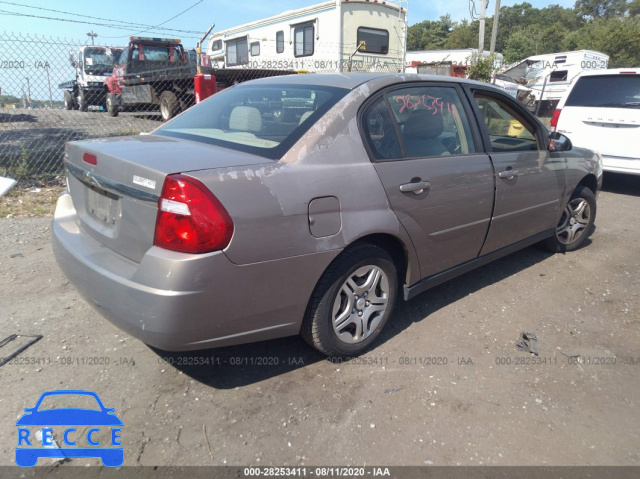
558, 142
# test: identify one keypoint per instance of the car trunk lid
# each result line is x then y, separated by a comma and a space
610, 131
115, 184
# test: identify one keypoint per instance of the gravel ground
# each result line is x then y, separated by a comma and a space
280, 403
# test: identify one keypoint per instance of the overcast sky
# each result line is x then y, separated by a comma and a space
196, 20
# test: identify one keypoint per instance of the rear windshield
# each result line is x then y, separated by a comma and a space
258, 119
622, 91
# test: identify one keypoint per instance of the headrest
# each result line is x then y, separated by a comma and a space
305, 115
245, 118
423, 124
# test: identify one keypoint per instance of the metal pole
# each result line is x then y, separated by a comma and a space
541, 95
92, 35
483, 11
28, 93
199, 49
49, 83
494, 30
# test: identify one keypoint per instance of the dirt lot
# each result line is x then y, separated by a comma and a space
280, 403
32, 141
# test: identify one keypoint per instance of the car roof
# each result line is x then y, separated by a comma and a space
351, 81
610, 71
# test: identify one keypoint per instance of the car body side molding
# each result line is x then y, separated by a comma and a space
437, 279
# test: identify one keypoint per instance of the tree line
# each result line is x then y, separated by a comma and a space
607, 26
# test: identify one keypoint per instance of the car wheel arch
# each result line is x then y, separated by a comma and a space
590, 181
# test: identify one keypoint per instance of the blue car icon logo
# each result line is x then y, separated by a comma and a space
84, 432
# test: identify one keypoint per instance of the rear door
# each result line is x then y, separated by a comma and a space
602, 112
429, 158
529, 183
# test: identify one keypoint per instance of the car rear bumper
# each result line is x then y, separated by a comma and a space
617, 164
177, 301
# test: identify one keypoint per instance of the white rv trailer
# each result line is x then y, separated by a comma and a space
460, 57
553, 73
333, 36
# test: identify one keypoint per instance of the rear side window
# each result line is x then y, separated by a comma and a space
303, 40
237, 52
279, 41
417, 122
373, 40
622, 91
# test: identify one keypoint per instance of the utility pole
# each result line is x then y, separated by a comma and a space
494, 30
483, 12
92, 35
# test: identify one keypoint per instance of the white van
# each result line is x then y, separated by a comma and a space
601, 111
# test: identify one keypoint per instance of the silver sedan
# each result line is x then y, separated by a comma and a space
311, 204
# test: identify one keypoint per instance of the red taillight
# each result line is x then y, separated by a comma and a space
555, 118
190, 218
89, 158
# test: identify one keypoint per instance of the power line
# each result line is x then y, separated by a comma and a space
131, 25
119, 27
175, 16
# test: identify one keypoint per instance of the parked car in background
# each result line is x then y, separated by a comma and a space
308, 204
601, 111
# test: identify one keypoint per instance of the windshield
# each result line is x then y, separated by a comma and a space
606, 91
98, 61
264, 120
63, 401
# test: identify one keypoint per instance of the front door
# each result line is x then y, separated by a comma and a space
529, 183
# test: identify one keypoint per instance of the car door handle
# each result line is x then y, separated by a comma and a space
416, 187
508, 174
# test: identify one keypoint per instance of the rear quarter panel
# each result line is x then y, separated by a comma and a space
269, 203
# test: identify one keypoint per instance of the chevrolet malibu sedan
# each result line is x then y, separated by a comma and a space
310, 204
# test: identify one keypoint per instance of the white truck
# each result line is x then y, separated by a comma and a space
93, 65
333, 36
548, 76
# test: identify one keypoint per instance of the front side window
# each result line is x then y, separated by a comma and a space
508, 130
216, 45
373, 40
124, 56
303, 40
279, 41
255, 49
237, 52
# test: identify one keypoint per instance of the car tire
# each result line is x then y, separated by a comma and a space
83, 102
576, 222
341, 319
169, 105
111, 104
68, 100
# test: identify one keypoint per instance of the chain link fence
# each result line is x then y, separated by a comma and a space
56, 90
